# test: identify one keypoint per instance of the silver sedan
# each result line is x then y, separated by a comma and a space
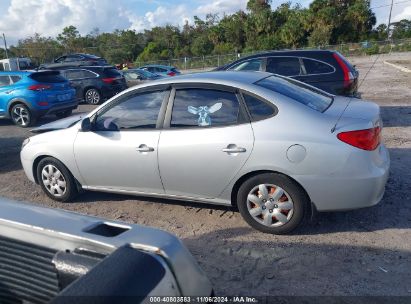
274, 147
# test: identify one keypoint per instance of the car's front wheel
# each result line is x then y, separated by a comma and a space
56, 180
272, 203
92, 96
21, 115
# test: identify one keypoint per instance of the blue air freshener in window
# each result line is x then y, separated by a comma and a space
204, 112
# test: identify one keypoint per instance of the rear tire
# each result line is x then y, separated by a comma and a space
21, 116
92, 96
56, 180
272, 203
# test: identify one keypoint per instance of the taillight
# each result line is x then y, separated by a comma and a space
39, 87
348, 76
368, 139
43, 103
171, 74
109, 80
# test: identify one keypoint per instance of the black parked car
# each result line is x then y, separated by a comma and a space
75, 60
326, 70
94, 84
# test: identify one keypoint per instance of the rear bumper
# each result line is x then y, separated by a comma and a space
55, 108
359, 185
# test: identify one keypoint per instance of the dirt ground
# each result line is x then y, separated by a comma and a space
362, 252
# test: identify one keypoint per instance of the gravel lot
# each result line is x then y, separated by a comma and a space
363, 252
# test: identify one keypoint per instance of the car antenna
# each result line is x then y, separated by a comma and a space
362, 81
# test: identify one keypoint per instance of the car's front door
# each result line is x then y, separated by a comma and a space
206, 140
120, 152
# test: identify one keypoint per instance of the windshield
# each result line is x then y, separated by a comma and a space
298, 91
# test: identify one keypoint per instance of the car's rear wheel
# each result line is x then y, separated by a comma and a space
64, 114
21, 115
272, 203
56, 180
92, 96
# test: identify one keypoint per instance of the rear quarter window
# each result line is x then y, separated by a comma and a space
50, 77
300, 92
258, 108
316, 67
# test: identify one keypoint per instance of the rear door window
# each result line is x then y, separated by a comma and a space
297, 91
204, 108
251, 65
5, 80
316, 67
286, 66
74, 74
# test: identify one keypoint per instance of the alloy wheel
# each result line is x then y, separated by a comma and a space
92, 96
20, 115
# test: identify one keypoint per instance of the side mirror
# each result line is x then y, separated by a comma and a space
85, 125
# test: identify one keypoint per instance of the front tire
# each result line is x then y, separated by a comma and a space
272, 203
92, 96
56, 180
21, 116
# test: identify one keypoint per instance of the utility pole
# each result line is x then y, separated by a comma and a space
389, 21
5, 46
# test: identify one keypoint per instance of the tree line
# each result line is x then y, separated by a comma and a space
259, 27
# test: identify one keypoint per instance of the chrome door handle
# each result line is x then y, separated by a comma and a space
144, 148
234, 149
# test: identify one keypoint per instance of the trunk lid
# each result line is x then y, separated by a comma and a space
345, 108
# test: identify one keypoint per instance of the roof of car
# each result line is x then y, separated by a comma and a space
25, 72
157, 65
312, 53
232, 78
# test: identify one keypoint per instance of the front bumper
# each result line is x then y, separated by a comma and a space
360, 184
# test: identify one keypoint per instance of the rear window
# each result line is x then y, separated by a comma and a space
175, 70
112, 73
298, 91
51, 77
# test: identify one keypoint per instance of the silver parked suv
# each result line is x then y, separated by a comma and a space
275, 147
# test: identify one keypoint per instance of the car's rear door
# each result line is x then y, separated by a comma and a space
120, 152
205, 141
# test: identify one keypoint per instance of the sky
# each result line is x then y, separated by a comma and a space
23, 18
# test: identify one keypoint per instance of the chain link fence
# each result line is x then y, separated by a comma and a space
347, 49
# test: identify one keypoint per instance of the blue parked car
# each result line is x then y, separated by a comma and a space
28, 95
162, 70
